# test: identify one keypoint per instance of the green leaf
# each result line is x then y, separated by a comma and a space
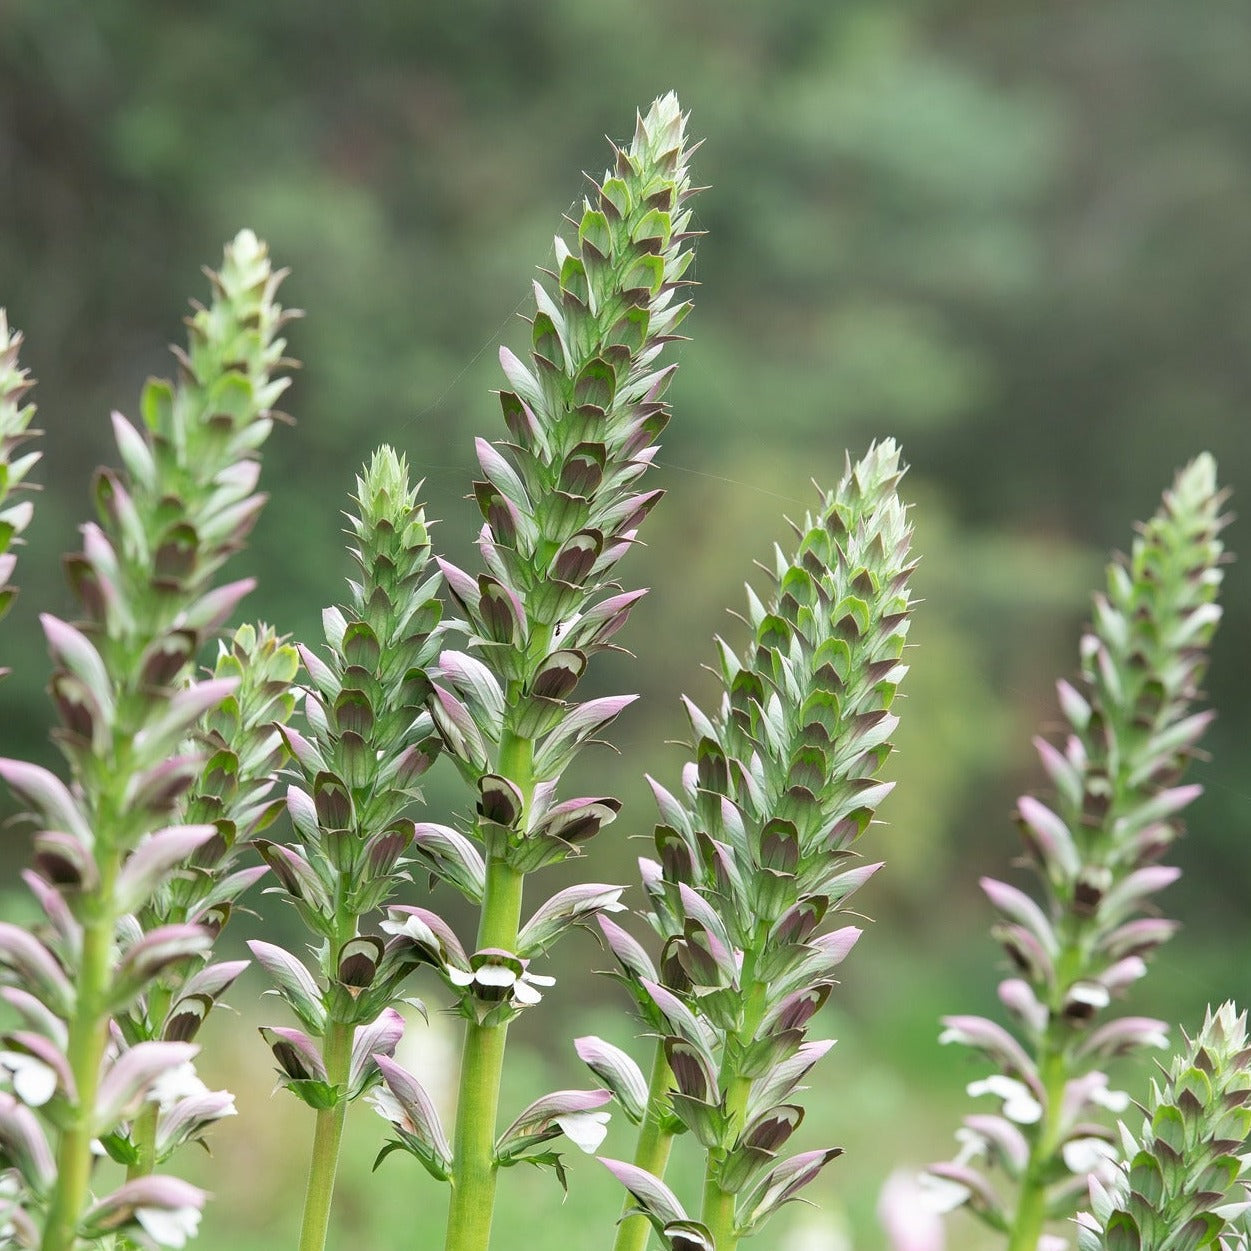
120, 1148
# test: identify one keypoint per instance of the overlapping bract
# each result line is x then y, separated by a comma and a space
1095, 846
107, 845
561, 500
561, 504
240, 750
755, 857
15, 431
369, 739
1182, 1182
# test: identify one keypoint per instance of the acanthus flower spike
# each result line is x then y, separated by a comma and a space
561, 503
1182, 1180
370, 733
754, 855
115, 844
1095, 844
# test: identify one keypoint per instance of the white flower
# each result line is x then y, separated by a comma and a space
908, 1215
176, 1084
940, 1194
1019, 1104
972, 1145
33, 1082
1092, 994
171, 1227
496, 977
586, 1130
1089, 1155
1113, 1100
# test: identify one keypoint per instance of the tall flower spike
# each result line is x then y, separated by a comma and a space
1182, 1181
367, 740
15, 419
1095, 845
561, 503
106, 845
755, 858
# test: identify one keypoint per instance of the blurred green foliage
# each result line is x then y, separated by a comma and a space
1013, 235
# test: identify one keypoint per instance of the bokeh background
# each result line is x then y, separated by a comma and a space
1014, 235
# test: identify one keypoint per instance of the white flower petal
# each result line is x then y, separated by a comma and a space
1113, 1100
1019, 1104
586, 1130
171, 1227
525, 994
494, 975
940, 1194
33, 1082
174, 1084
1087, 1155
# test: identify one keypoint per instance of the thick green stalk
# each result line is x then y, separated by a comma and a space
327, 1136
482, 1059
88, 1037
651, 1153
473, 1182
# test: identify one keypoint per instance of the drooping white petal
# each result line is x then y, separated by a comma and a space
586, 1130
170, 1227
1019, 1104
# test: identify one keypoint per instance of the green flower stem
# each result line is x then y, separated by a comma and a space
1053, 1073
718, 1216
473, 1183
143, 1128
718, 1211
652, 1153
88, 1037
327, 1136
1031, 1210
482, 1059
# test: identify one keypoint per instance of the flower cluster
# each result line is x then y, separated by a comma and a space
369, 738
1183, 1179
561, 505
756, 857
15, 418
108, 844
1095, 847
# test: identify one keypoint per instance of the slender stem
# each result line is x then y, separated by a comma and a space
718, 1210
1053, 1073
652, 1152
88, 1037
143, 1128
327, 1136
482, 1059
1031, 1208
